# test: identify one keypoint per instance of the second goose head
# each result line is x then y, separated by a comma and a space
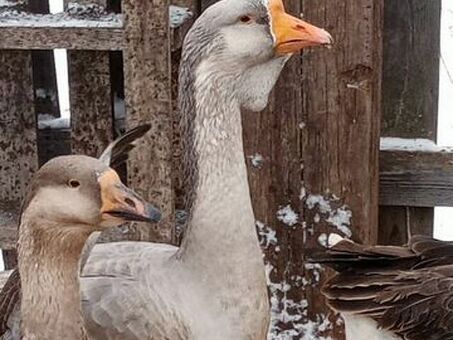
82, 191
246, 43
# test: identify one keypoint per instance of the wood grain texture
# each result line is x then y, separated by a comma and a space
397, 221
416, 179
340, 142
91, 102
410, 89
411, 68
75, 38
148, 100
18, 142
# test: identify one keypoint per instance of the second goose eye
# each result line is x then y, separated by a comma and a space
245, 19
73, 183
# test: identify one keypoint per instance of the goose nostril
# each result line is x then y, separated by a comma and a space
130, 202
300, 27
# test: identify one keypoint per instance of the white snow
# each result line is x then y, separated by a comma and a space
443, 216
340, 218
178, 15
288, 216
267, 236
257, 160
15, 18
411, 144
46, 121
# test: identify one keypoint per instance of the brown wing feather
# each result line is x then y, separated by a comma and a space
407, 290
9, 297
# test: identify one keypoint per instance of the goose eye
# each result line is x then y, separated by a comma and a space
73, 183
245, 19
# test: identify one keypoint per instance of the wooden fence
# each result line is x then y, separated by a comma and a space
313, 154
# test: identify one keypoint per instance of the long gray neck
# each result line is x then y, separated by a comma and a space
221, 228
48, 266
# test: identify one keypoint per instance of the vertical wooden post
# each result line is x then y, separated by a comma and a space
18, 142
318, 142
410, 96
90, 98
148, 100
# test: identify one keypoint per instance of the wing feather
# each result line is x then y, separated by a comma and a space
407, 290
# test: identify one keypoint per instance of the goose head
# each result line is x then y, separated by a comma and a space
247, 42
83, 191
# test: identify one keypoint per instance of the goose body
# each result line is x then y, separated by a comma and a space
214, 285
391, 293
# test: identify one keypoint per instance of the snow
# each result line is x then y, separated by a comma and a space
289, 317
178, 15
288, 216
76, 16
7, 3
444, 215
46, 121
411, 144
340, 217
257, 160
267, 236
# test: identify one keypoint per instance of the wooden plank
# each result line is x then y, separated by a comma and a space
341, 111
410, 88
74, 38
91, 102
148, 99
411, 68
18, 142
417, 179
400, 220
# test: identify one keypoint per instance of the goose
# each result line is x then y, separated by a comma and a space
69, 198
392, 293
214, 285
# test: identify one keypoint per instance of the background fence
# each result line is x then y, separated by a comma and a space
313, 154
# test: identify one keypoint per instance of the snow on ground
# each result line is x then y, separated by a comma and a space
443, 225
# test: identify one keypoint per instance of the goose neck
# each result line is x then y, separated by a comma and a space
48, 265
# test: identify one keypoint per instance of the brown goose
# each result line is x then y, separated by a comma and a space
69, 199
388, 293
214, 285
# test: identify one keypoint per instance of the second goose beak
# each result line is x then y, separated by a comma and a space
292, 34
120, 203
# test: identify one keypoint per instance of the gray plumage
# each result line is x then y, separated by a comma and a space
213, 286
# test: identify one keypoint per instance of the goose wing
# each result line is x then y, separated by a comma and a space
124, 293
407, 290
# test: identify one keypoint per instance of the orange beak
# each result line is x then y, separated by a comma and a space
293, 34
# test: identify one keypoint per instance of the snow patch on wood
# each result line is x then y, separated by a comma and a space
338, 217
411, 144
288, 216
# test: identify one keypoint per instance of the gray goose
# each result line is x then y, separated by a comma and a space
70, 198
389, 293
214, 285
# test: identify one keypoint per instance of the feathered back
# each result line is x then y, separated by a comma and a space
407, 290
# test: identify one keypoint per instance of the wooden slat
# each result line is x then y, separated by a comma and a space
411, 68
18, 142
340, 139
76, 38
91, 102
148, 99
417, 179
410, 89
